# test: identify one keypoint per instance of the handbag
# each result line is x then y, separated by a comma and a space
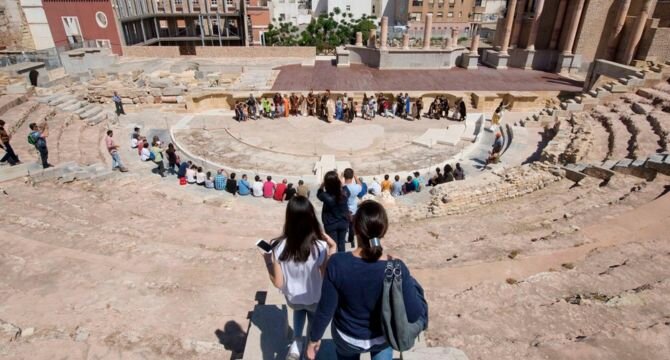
398, 331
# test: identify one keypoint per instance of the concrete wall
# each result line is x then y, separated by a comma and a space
222, 51
405, 59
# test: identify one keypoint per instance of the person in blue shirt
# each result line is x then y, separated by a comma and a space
352, 286
396, 188
220, 180
409, 186
419, 181
243, 186
351, 183
182, 168
364, 188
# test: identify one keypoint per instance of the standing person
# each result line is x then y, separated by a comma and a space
173, 159
296, 266
352, 109
157, 151
372, 107
39, 140
311, 104
10, 155
354, 187
408, 106
330, 110
445, 108
257, 187
496, 149
118, 102
400, 105
352, 288
252, 105
339, 109
287, 106
302, 105
113, 150
33, 75
335, 211
419, 107
461, 110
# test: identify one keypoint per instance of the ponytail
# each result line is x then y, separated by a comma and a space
370, 225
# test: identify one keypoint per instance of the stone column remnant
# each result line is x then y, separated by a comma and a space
511, 10
558, 24
359, 38
427, 31
372, 39
448, 43
638, 29
474, 45
619, 22
518, 23
575, 18
539, 6
405, 41
454, 37
384, 32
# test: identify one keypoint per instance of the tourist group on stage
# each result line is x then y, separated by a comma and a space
344, 108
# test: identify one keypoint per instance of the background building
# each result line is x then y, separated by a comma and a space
82, 23
447, 14
297, 12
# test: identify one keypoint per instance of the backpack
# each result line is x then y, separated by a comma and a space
398, 331
152, 156
31, 139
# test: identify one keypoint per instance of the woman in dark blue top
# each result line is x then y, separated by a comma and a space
335, 213
352, 291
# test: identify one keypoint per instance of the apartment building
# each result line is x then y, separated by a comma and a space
190, 23
459, 14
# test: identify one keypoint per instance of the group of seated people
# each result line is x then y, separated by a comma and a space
343, 107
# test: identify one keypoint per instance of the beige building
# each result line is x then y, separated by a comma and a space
447, 14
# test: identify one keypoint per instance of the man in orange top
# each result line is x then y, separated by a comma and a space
287, 106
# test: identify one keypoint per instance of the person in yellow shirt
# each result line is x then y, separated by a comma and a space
386, 184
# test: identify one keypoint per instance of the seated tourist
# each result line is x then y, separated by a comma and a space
290, 192
183, 167
280, 189
243, 186
386, 184
375, 187
448, 173
191, 173
364, 188
303, 190
418, 181
200, 177
459, 174
437, 179
268, 188
140, 145
145, 155
257, 187
209, 181
265, 104
231, 184
135, 137
372, 107
396, 189
219, 180
408, 186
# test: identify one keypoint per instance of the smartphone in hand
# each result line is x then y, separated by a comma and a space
265, 246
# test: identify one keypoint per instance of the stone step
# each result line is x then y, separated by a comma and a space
76, 106
95, 110
635, 167
660, 163
62, 99
102, 116
84, 109
67, 103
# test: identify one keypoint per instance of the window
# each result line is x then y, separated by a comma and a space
103, 43
282, 17
101, 19
450, 14
178, 2
417, 3
163, 24
440, 4
440, 14
415, 16
374, 9
460, 14
72, 29
431, 3
348, 7
229, 2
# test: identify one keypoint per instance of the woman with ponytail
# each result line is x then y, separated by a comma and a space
352, 291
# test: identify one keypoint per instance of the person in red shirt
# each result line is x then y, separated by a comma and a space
280, 190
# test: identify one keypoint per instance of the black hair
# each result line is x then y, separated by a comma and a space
370, 222
409, 178
199, 169
32, 126
257, 178
333, 186
448, 169
300, 182
416, 174
232, 176
301, 230
145, 145
348, 173
386, 177
269, 178
109, 132
397, 178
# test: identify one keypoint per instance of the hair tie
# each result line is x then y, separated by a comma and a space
374, 242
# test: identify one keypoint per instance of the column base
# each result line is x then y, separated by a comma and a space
527, 57
568, 62
495, 59
470, 61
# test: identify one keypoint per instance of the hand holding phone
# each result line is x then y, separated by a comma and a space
265, 246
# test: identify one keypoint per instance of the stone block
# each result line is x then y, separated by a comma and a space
599, 172
573, 175
656, 163
642, 109
160, 83
174, 91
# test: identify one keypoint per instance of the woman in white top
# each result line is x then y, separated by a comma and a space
257, 187
297, 263
145, 154
200, 177
190, 174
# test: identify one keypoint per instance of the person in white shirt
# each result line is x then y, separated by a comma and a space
145, 155
200, 177
257, 187
375, 187
190, 174
297, 263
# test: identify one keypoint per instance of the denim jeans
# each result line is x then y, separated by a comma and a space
300, 313
346, 351
10, 156
116, 160
44, 155
339, 234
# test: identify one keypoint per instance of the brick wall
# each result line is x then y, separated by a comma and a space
257, 51
655, 43
592, 38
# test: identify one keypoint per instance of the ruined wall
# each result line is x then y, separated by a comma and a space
223, 51
13, 27
595, 29
655, 44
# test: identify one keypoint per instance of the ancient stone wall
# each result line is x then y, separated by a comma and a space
462, 197
12, 25
591, 41
655, 43
222, 51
